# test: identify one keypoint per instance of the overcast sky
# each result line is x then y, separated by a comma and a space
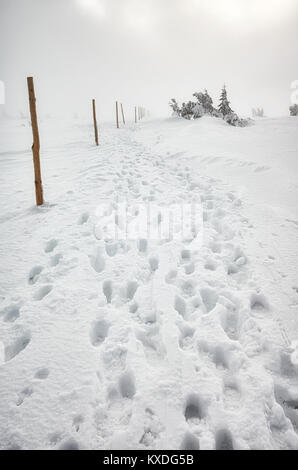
146, 52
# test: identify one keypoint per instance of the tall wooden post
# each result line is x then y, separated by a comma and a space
135, 114
36, 143
117, 115
95, 122
123, 118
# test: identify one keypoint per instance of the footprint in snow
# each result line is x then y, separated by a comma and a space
215, 247
99, 332
186, 335
83, 218
152, 429
131, 289
55, 260
210, 265
258, 303
219, 354
209, 298
189, 268
50, 246
42, 292
230, 323
69, 444
194, 408
107, 288
17, 346
289, 402
180, 306
171, 276
154, 263
97, 261
34, 274
77, 421
111, 248
25, 393
224, 440
188, 288
10, 313
190, 442
42, 373
127, 386
133, 308
142, 245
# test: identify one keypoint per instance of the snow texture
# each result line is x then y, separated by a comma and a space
150, 343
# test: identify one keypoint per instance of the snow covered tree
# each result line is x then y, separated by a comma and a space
224, 104
175, 107
208, 103
187, 110
294, 110
198, 110
205, 100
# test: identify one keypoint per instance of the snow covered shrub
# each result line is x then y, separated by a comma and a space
205, 102
234, 120
231, 119
294, 110
198, 111
204, 106
175, 107
258, 112
187, 110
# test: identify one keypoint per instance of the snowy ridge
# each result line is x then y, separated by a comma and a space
138, 344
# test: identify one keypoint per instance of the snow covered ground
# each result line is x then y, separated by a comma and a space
147, 342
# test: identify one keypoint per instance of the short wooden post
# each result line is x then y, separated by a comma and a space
95, 122
117, 115
36, 143
123, 118
135, 114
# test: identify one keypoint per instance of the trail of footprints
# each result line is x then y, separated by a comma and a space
20, 336
198, 293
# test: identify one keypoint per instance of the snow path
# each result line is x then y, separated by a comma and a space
137, 344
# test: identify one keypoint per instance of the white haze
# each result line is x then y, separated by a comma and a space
146, 52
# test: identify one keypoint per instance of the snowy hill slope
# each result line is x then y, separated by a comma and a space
147, 342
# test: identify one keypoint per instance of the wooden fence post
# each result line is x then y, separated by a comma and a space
122, 114
117, 115
36, 143
135, 114
95, 122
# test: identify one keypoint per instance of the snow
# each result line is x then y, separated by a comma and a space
147, 342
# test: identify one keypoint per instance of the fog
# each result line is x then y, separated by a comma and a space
144, 52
